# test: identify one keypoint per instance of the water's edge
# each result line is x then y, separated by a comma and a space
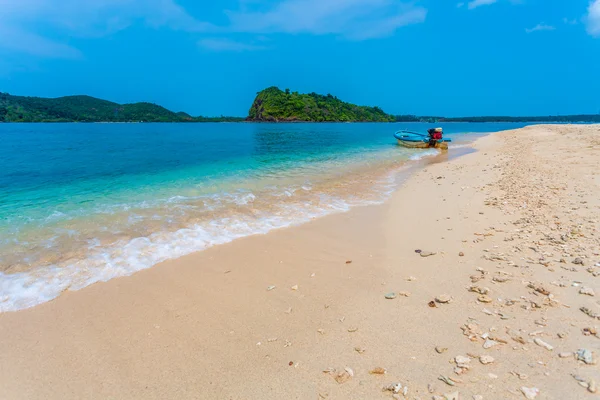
23, 290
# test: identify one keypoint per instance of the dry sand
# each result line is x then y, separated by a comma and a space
522, 210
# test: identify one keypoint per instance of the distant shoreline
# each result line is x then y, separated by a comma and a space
533, 121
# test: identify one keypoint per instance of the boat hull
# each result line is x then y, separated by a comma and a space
422, 145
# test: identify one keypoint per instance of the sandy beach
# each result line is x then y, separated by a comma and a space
498, 304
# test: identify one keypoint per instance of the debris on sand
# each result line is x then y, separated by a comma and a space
340, 377
484, 299
443, 299
587, 291
577, 261
352, 330
462, 365
589, 331
295, 287
396, 388
390, 296
271, 288
427, 253
543, 344
590, 313
359, 350
486, 360
586, 356
404, 294
441, 350
530, 393
480, 290
432, 304
349, 262
451, 396
447, 380
488, 344
378, 371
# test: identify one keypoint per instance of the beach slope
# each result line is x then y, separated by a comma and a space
491, 306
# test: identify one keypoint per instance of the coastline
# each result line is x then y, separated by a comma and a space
191, 327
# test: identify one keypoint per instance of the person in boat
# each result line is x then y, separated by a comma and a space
435, 135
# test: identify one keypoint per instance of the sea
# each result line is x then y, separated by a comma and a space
84, 203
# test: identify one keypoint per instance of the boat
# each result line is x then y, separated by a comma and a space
416, 140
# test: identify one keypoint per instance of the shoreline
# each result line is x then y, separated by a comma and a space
528, 123
375, 183
206, 325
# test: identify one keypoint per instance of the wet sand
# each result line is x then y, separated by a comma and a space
524, 213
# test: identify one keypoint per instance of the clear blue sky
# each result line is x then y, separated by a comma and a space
426, 57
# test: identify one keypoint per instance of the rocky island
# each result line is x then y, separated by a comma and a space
275, 105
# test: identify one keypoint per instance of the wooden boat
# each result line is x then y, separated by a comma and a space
415, 140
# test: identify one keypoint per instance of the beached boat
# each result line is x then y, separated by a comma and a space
415, 140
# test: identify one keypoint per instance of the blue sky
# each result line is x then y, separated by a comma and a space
426, 57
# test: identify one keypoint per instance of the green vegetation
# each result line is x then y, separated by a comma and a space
270, 105
274, 105
89, 109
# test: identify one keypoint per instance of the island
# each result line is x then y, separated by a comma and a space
90, 109
275, 105
270, 105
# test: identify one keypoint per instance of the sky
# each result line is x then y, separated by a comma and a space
424, 57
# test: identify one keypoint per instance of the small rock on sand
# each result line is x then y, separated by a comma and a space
271, 287
592, 386
587, 291
396, 388
530, 393
484, 298
390, 296
378, 371
486, 359
488, 344
565, 355
585, 355
578, 261
451, 396
440, 349
462, 360
343, 376
443, 299
543, 344
427, 253
461, 254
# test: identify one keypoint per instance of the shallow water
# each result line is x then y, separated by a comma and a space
81, 203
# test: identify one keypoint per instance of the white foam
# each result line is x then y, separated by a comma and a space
23, 290
427, 153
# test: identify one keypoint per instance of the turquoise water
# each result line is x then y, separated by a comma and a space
81, 203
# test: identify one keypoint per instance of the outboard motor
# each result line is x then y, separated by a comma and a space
435, 135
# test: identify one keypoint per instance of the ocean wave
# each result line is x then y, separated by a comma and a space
27, 289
